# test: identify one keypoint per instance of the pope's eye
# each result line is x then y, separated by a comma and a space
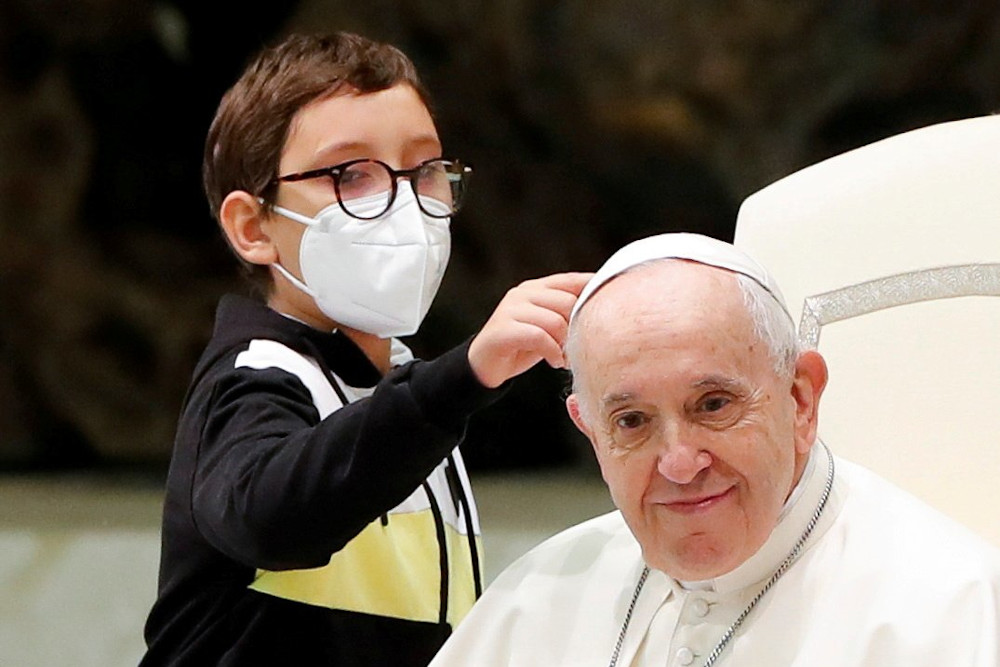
714, 403
630, 420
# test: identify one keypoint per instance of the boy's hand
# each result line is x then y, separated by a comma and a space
528, 325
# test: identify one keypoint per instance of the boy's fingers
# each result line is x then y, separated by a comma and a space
572, 282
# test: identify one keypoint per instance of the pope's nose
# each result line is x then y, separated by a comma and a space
681, 463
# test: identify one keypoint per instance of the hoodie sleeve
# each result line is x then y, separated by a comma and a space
275, 488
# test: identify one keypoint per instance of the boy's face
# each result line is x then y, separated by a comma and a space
392, 125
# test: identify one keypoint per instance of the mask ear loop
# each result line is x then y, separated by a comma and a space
298, 284
292, 215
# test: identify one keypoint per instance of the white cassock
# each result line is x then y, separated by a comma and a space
884, 580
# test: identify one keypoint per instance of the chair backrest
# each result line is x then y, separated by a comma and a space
889, 257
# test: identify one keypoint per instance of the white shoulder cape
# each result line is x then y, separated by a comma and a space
885, 581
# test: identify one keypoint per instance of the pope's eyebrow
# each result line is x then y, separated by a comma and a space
719, 382
712, 382
611, 400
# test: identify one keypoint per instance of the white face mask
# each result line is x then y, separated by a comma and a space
377, 276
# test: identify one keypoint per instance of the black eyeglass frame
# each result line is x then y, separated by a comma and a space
413, 174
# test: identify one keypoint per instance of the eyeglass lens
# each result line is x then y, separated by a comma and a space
441, 181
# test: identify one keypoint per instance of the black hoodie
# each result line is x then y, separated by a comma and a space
315, 512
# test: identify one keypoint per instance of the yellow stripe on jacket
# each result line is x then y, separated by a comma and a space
391, 570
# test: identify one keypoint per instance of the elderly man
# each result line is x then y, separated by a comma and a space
739, 538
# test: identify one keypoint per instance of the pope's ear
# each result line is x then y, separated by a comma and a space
807, 388
575, 413
242, 218
573, 408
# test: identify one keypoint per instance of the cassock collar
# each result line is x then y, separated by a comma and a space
792, 522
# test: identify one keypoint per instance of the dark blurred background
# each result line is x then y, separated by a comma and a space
590, 123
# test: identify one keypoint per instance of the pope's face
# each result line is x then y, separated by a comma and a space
699, 440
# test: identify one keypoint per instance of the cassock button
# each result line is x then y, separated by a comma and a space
685, 656
700, 607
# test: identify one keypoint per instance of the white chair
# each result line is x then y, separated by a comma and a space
889, 257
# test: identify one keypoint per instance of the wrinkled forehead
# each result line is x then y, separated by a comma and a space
672, 292
659, 328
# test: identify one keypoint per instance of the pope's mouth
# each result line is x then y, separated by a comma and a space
699, 504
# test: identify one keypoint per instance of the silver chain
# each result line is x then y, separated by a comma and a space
628, 615
785, 564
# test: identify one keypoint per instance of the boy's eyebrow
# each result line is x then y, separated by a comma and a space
325, 157
329, 156
424, 139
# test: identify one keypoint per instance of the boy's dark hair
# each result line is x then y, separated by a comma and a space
245, 141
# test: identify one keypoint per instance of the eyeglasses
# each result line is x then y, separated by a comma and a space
439, 184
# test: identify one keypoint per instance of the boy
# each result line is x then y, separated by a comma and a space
317, 510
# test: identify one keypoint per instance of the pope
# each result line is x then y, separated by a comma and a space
740, 538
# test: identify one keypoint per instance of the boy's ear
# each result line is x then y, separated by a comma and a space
242, 218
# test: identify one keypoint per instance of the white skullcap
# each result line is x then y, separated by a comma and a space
694, 247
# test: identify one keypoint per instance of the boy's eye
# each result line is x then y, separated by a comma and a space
353, 176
